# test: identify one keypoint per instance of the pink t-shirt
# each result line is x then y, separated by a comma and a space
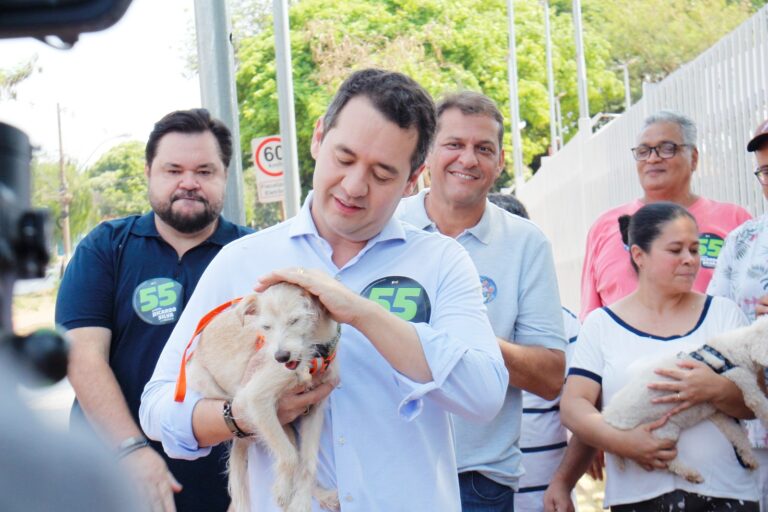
608, 276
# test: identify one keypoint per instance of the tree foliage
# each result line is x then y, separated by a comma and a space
448, 45
682, 29
445, 45
47, 193
10, 78
118, 183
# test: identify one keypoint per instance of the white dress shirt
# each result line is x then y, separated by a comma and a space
387, 441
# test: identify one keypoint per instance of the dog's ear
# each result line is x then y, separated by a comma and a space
249, 305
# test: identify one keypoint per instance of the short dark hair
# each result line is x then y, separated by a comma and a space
472, 103
642, 228
510, 203
399, 99
196, 120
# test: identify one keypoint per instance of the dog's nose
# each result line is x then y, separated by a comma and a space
282, 356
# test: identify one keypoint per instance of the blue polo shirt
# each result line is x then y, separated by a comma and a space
126, 278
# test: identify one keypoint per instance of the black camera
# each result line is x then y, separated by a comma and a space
25, 232
24, 240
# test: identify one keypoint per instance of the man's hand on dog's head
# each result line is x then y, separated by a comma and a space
295, 402
344, 305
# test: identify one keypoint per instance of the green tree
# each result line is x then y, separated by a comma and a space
10, 78
118, 182
445, 45
46, 193
682, 29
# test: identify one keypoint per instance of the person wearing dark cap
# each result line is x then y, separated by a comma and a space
740, 276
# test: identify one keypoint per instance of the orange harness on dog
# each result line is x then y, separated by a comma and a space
318, 364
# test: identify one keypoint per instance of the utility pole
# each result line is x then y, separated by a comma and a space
64, 197
517, 146
581, 68
550, 81
216, 60
292, 202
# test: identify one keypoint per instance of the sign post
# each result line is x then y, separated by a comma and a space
268, 161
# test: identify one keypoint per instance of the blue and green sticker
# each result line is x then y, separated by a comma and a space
401, 296
158, 301
710, 245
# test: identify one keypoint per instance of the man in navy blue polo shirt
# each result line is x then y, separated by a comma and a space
125, 289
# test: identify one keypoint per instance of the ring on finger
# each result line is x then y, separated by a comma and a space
679, 397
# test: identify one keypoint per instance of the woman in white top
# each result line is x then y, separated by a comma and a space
661, 317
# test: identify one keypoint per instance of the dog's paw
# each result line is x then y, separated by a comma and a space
328, 499
283, 493
750, 462
694, 477
301, 502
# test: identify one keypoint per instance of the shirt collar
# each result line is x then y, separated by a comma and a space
304, 224
225, 230
481, 230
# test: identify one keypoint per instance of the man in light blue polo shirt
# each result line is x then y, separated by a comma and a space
517, 272
419, 349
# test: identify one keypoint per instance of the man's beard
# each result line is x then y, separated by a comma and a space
186, 223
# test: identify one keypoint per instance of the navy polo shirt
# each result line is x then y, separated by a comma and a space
126, 278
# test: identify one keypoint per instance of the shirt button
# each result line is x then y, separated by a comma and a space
348, 498
342, 440
337, 277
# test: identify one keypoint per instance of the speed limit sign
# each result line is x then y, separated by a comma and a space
268, 155
268, 161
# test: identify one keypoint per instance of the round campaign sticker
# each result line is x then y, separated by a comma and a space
489, 289
402, 296
158, 301
709, 249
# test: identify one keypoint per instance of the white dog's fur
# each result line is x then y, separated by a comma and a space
746, 348
293, 324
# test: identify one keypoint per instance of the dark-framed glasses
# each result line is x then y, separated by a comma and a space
762, 174
664, 150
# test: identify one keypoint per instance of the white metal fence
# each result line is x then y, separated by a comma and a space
724, 90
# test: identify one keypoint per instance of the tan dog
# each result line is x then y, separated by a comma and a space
738, 355
289, 332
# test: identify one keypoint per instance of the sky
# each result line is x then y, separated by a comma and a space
112, 86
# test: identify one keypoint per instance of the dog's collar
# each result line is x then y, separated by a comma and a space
325, 353
706, 354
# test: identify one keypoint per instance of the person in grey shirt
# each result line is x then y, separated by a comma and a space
517, 273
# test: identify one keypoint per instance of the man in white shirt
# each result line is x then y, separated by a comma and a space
419, 349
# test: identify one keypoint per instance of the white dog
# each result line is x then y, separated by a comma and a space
290, 333
738, 355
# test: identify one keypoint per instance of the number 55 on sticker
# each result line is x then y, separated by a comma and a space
401, 296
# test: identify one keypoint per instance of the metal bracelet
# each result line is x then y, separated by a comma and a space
230, 421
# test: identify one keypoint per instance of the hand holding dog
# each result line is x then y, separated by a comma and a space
692, 384
296, 401
640, 445
395, 339
761, 308
156, 481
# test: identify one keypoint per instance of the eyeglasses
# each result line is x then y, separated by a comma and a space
664, 150
762, 174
